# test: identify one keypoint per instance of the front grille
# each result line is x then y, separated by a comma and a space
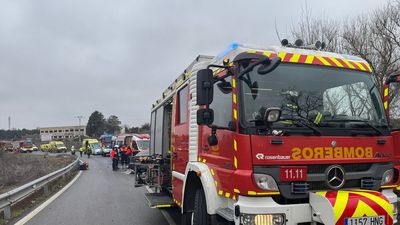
321, 185
318, 169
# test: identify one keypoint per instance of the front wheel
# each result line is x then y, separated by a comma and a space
200, 216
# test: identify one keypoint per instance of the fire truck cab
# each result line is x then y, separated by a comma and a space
273, 136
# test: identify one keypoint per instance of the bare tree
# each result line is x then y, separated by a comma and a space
375, 37
311, 30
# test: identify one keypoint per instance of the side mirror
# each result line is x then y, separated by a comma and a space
224, 86
267, 68
254, 89
205, 116
393, 79
205, 87
272, 114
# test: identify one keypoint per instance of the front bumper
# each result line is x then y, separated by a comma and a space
329, 208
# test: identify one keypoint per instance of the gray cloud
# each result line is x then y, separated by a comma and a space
59, 59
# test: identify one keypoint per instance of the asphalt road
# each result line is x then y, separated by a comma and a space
100, 197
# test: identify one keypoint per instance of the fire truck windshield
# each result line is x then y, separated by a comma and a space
322, 96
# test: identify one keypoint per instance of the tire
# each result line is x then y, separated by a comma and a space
200, 216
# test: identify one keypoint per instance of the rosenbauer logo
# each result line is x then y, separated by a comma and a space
261, 156
332, 152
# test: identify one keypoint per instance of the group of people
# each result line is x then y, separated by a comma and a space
120, 155
87, 149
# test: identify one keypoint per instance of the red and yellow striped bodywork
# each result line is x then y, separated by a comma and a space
318, 60
358, 203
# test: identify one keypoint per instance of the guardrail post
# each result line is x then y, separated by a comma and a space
7, 212
46, 189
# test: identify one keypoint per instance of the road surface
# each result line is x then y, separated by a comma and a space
100, 197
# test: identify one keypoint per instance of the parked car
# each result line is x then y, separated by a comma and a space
106, 150
94, 144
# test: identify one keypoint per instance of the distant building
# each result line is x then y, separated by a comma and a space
61, 133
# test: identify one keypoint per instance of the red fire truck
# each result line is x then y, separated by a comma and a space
279, 135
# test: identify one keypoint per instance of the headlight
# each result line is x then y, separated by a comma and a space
265, 182
387, 177
266, 219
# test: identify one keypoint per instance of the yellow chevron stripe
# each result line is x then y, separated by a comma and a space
235, 163
227, 195
268, 54
326, 63
163, 206
295, 58
321, 193
386, 92
212, 172
251, 51
235, 116
340, 204
236, 190
368, 67
235, 145
385, 104
337, 63
234, 83
363, 209
252, 193
220, 192
282, 55
360, 65
380, 201
216, 183
269, 193
348, 64
309, 59
234, 98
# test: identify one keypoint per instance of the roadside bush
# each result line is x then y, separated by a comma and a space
17, 169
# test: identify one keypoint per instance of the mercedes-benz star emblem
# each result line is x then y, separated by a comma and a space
335, 177
333, 143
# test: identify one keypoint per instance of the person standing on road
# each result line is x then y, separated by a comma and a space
114, 158
123, 155
81, 149
88, 149
128, 156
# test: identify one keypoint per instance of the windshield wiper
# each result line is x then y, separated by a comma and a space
305, 123
362, 121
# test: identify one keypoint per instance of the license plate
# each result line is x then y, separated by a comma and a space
370, 220
293, 173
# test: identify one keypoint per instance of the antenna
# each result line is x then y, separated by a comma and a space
80, 119
80, 122
276, 31
9, 122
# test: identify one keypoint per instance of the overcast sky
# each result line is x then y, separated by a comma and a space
64, 58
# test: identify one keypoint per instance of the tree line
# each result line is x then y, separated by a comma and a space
11, 135
373, 36
98, 125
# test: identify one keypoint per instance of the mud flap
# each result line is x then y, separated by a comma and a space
334, 207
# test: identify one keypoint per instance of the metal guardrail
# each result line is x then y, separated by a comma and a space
11, 197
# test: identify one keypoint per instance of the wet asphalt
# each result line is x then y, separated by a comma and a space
100, 197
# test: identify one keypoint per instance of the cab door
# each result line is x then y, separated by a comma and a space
220, 157
180, 138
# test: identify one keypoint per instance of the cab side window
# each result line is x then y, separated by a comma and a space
183, 104
222, 106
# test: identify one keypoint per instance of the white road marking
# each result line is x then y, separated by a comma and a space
47, 202
167, 217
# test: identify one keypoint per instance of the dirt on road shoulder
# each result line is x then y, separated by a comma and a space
17, 169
